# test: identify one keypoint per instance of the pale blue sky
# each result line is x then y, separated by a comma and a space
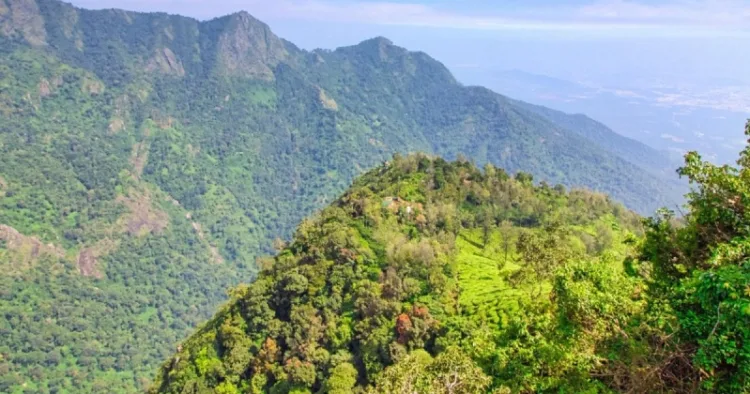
683, 17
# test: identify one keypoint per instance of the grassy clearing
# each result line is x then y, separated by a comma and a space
483, 272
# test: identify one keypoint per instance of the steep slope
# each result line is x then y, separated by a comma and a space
424, 255
146, 160
452, 119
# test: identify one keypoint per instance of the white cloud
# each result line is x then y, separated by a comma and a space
691, 13
672, 138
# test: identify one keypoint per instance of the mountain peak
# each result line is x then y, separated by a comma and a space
380, 43
246, 17
383, 52
379, 40
248, 47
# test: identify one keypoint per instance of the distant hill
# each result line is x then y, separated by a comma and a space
635, 152
146, 160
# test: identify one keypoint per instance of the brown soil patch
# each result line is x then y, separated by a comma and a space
87, 264
166, 62
327, 102
215, 255
165, 123
92, 86
44, 88
144, 218
47, 87
16, 240
116, 125
26, 250
87, 260
138, 158
119, 115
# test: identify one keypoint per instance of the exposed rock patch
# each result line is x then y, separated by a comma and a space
28, 250
87, 260
70, 22
139, 158
169, 32
327, 102
193, 151
92, 86
144, 218
116, 125
248, 48
47, 87
125, 15
86, 263
175, 203
166, 62
22, 17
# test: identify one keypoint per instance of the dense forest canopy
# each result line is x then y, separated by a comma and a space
423, 257
148, 160
436, 277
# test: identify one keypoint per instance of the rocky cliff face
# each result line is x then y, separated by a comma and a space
248, 48
22, 19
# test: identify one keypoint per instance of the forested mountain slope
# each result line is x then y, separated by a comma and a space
631, 150
146, 160
426, 257
435, 277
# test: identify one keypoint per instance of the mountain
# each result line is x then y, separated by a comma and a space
435, 277
423, 257
147, 160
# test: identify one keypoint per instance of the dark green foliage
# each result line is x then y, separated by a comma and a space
702, 269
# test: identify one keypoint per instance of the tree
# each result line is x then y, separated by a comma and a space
451, 372
408, 376
342, 380
487, 219
506, 232
543, 252
703, 269
454, 372
604, 237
